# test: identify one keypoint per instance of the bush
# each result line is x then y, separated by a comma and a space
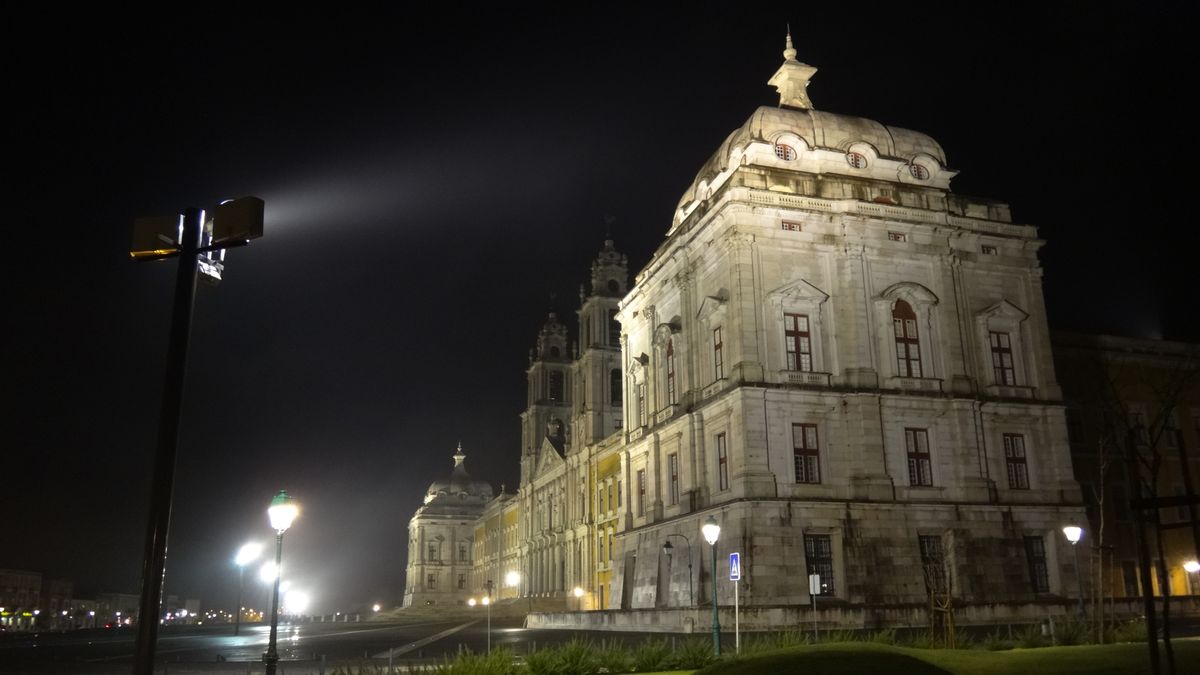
613, 657
995, 642
577, 657
839, 635
925, 639
692, 654
1129, 631
651, 655
1071, 631
1031, 637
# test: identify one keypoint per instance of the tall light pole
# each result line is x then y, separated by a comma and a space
487, 602
201, 246
1192, 567
668, 549
247, 554
282, 512
1073, 534
712, 532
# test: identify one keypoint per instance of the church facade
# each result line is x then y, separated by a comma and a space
842, 362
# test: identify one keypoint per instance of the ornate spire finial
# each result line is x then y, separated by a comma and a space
791, 80
459, 456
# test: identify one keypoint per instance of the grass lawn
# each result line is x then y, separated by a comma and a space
836, 659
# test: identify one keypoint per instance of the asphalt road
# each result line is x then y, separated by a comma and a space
197, 649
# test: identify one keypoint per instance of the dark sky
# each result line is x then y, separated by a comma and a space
430, 182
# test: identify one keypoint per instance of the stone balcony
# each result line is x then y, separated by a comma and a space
931, 385
1009, 391
804, 378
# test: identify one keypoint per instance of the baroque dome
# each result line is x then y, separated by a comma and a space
794, 135
460, 485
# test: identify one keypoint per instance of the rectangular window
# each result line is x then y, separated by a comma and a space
614, 386
673, 470
1035, 555
610, 546
933, 560
718, 355
612, 504
722, 463
431, 581
818, 553
462, 581
1002, 359
618, 505
641, 404
988, 250
1129, 576
908, 344
897, 236
600, 506
641, 485
790, 226
798, 342
462, 551
433, 552
916, 443
670, 372
806, 453
1014, 458
558, 385
614, 328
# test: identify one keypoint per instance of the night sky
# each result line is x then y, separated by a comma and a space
434, 185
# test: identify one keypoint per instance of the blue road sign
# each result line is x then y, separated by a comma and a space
735, 566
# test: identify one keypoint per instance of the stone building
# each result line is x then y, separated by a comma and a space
441, 537
844, 363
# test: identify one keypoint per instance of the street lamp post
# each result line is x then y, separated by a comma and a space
190, 238
668, 549
247, 554
1074, 533
282, 512
712, 531
578, 593
487, 602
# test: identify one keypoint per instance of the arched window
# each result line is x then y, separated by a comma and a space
908, 346
614, 328
614, 386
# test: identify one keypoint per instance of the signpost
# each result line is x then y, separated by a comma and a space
814, 589
735, 574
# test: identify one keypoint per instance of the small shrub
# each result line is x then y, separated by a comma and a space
613, 657
884, 637
1129, 631
499, 662
964, 640
1072, 631
925, 639
692, 654
651, 655
577, 657
1031, 637
996, 642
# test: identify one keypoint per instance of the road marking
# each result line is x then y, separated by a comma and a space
397, 651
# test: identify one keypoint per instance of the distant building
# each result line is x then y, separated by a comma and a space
441, 536
1141, 395
20, 598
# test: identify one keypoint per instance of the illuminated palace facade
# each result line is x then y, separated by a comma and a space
841, 361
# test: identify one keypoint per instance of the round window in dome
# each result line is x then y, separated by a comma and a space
785, 152
613, 286
856, 160
919, 172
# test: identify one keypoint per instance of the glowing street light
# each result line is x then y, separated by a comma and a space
712, 532
1192, 567
247, 554
268, 572
282, 512
375, 608
200, 244
1074, 533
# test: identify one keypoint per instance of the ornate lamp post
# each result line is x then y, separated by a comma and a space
1073, 534
487, 602
247, 554
668, 550
282, 512
1192, 567
712, 531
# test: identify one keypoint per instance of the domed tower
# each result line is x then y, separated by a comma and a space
544, 422
440, 536
599, 391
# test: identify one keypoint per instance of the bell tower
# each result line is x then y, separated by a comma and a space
548, 404
596, 412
